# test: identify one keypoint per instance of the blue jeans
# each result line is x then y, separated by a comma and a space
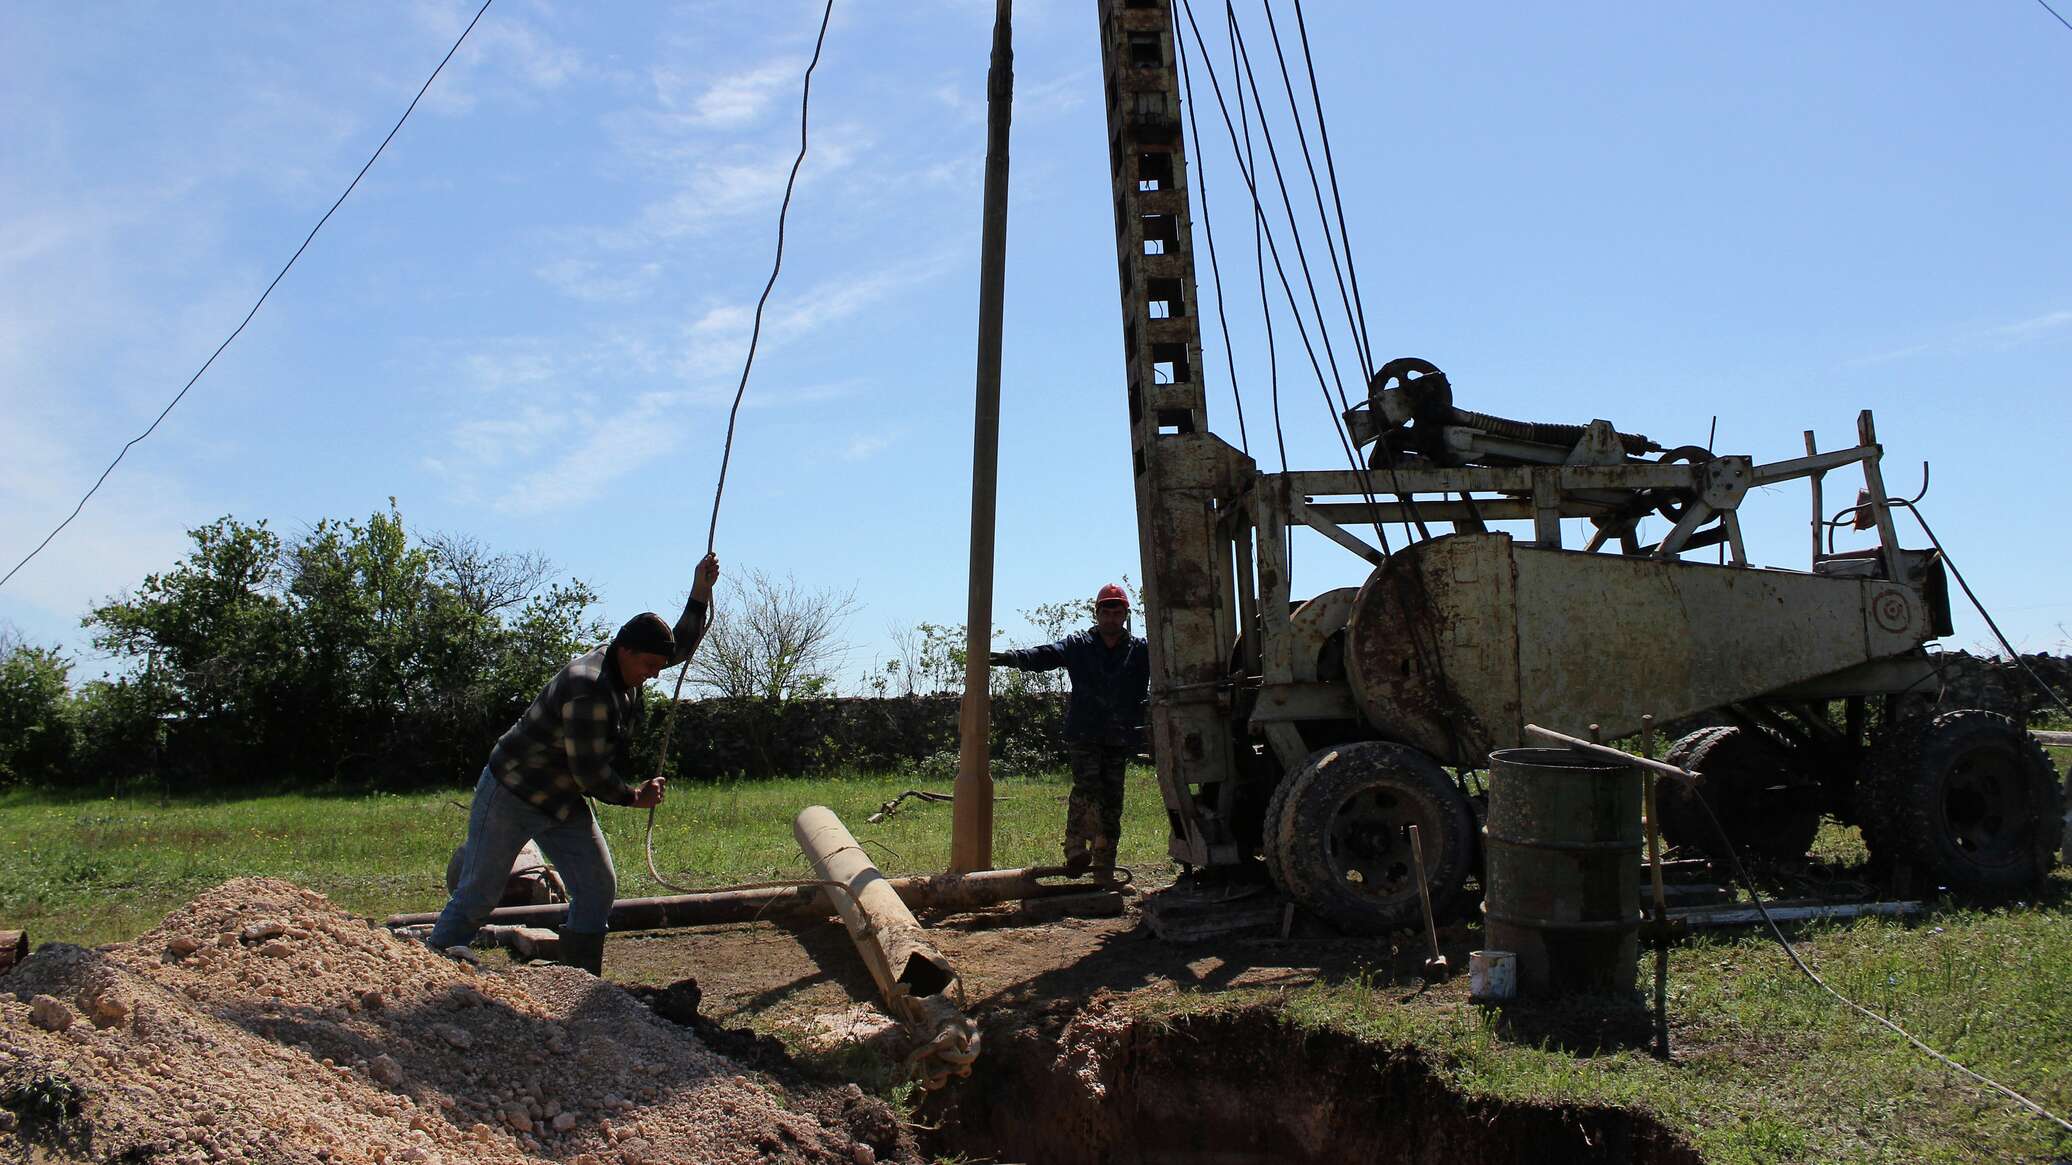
499, 825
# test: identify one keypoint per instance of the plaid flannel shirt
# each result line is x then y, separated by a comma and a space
561, 749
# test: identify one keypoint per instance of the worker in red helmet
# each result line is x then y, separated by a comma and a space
1111, 681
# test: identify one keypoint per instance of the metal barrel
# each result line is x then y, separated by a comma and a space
1561, 885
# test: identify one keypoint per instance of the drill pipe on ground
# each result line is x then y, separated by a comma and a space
920, 892
920, 987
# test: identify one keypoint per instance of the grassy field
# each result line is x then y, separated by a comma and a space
1769, 1068
91, 871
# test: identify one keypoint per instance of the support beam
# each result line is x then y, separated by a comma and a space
971, 837
774, 903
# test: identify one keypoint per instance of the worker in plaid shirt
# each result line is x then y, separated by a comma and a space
559, 753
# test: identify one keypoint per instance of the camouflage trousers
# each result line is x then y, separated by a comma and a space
1093, 816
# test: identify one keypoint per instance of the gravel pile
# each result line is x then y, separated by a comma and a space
260, 1023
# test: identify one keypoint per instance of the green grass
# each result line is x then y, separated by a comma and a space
91, 871
1769, 1069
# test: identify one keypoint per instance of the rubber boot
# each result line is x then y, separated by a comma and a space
1104, 857
582, 950
1077, 857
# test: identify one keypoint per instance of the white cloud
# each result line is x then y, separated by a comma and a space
717, 341
492, 440
866, 446
2035, 327
600, 453
733, 101
727, 184
1993, 337
504, 57
599, 281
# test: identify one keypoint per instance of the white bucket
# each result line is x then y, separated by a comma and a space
1492, 976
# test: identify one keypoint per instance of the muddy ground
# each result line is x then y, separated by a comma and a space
1068, 1075
261, 1024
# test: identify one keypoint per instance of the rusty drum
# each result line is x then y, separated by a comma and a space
1562, 884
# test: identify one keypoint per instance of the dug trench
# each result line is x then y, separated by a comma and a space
1084, 1062
1249, 1086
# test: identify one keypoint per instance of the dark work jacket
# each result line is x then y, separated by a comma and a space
1110, 685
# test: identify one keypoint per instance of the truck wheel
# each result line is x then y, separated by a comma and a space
1764, 799
1277, 813
1341, 843
1967, 797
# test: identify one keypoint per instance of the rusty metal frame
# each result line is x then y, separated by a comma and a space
1213, 530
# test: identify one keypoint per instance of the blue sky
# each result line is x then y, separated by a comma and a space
527, 322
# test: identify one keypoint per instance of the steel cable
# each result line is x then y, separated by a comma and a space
1365, 355
1345, 237
1756, 899
740, 390
282, 274
1354, 320
1287, 288
1201, 178
1273, 363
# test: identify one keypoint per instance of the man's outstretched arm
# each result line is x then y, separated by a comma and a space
1048, 657
697, 610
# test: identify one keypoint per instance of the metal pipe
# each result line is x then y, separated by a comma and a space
1661, 918
920, 988
971, 836
1553, 737
922, 892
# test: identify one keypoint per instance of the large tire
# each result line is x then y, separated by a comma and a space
1340, 843
1277, 812
1757, 788
1967, 798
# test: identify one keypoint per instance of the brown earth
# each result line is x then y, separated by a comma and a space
260, 1023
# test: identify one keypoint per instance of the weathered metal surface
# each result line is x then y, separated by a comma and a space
1562, 848
1181, 471
920, 987
1430, 654
1293, 703
1310, 631
1184, 913
1455, 643
929, 892
1703, 916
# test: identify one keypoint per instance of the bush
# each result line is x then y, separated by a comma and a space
35, 725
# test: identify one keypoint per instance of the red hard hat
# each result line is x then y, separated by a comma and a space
1111, 594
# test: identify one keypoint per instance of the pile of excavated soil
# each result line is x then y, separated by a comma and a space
260, 1023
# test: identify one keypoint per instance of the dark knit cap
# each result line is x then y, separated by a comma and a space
647, 632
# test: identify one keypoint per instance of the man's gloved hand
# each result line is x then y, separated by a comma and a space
997, 658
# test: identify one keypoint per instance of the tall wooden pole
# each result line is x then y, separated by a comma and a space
971, 839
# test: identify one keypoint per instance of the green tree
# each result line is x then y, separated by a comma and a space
218, 630
35, 724
354, 654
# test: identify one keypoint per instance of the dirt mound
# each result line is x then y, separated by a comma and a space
260, 1023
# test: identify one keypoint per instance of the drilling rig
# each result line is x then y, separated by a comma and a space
1302, 737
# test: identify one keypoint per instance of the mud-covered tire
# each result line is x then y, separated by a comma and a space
1765, 800
1341, 844
1967, 798
1277, 811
